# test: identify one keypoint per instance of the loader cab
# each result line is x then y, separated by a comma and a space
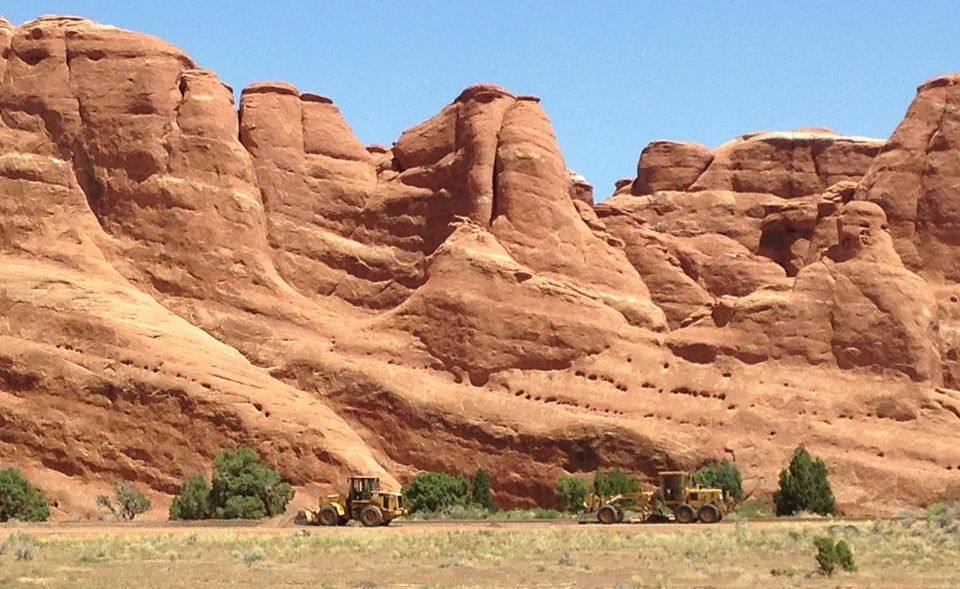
363, 488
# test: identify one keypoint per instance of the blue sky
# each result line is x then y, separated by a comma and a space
612, 75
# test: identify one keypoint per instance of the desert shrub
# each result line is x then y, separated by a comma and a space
753, 509
541, 513
254, 555
193, 501
453, 512
244, 487
480, 490
532, 513
721, 475
570, 492
433, 491
942, 515
472, 511
127, 502
19, 499
613, 482
97, 555
21, 546
804, 486
833, 554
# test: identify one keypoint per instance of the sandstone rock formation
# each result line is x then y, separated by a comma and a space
177, 276
915, 180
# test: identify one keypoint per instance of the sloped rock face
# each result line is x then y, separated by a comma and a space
177, 276
915, 180
857, 306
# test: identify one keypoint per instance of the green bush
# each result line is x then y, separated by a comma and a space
571, 492
804, 486
480, 490
193, 502
833, 554
721, 475
433, 491
942, 515
244, 487
242, 507
19, 499
613, 482
937, 509
128, 502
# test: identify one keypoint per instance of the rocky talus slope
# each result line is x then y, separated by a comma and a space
178, 274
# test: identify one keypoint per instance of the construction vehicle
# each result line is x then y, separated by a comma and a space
675, 497
363, 502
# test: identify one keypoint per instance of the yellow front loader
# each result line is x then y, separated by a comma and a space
363, 501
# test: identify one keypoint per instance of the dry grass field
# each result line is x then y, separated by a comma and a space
889, 554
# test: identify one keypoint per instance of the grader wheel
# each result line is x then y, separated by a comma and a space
685, 514
607, 514
709, 514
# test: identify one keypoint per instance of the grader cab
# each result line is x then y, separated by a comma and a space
691, 503
363, 501
676, 495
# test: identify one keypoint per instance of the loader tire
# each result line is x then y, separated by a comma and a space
709, 514
684, 514
328, 516
607, 514
371, 516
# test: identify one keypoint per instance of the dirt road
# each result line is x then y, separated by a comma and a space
285, 526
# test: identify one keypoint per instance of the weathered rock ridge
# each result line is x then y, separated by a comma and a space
177, 275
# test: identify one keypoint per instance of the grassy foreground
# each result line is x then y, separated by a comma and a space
888, 554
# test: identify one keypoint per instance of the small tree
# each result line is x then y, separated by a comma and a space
193, 502
804, 486
242, 507
721, 475
571, 492
244, 487
613, 482
480, 490
433, 491
128, 502
19, 499
833, 554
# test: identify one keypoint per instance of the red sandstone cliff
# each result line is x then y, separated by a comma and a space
176, 276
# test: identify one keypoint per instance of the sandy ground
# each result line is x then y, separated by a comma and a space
889, 554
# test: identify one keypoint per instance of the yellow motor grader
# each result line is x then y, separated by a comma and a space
676, 495
363, 501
